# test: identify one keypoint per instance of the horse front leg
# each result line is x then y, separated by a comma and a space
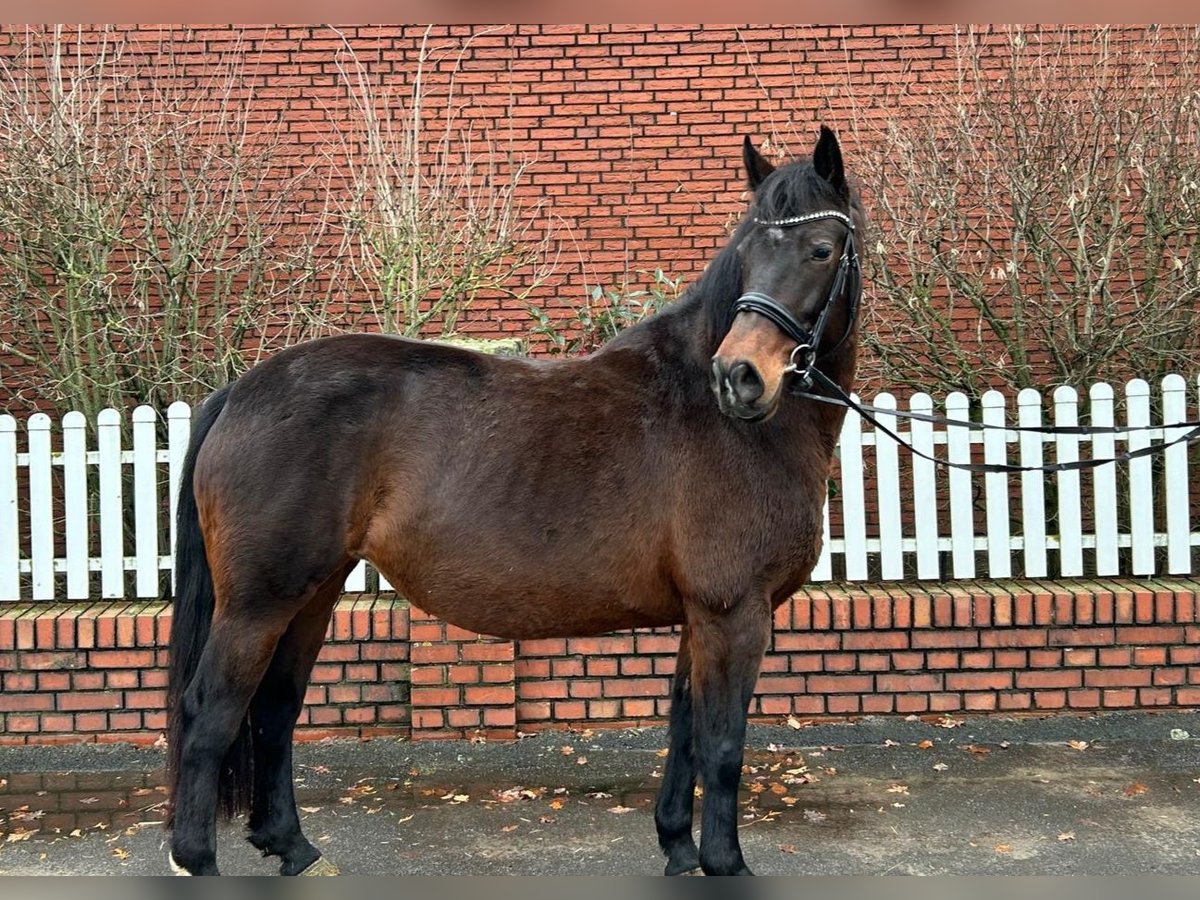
727, 647
676, 797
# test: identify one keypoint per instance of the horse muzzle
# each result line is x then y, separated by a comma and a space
740, 390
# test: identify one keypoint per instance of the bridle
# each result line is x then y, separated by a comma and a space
848, 278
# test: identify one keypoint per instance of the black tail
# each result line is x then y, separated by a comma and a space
191, 617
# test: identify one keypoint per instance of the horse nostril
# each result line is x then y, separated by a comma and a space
745, 381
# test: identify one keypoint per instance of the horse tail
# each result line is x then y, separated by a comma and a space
191, 618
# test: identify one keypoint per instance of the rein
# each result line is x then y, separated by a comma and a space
841, 398
804, 356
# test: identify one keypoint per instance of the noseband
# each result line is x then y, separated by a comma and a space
848, 275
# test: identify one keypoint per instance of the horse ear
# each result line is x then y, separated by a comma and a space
757, 167
827, 159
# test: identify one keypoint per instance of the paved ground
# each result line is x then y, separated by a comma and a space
1118, 795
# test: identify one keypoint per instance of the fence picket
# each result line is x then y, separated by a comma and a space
145, 500
10, 546
1141, 480
1033, 485
823, 570
179, 432
41, 508
1175, 472
995, 450
112, 525
962, 512
854, 518
887, 483
924, 475
75, 503
356, 581
1066, 449
1104, 484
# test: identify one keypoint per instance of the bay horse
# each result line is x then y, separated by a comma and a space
666, 480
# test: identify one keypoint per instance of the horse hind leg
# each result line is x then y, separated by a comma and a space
274, 825
237, 653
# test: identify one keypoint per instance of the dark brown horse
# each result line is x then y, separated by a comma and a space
668, 479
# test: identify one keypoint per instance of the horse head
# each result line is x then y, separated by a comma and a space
800, 279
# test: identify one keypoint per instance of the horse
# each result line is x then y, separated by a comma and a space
671, 478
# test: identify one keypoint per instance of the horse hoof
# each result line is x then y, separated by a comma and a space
322, 867
176, 868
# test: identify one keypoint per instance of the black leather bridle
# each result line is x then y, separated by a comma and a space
848, 278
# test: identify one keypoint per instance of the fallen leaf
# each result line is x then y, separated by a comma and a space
557, 804
1078, 745
620, 810
461, 798
21, 834
600, 795
661, 754
948, 722
508, 829
90, 800
120, 854
789, 848
890, 743
310, 809
407, 818
1067, 836
940, 767
815, 816
546, 820
1134, 790
160, 742
898, 789
977, 749
1003, 848
757, 787
796, 724
581, 761
567, 751
789, 801
78, 832
778, 789
925, 744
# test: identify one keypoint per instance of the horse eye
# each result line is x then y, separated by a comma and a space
822, 252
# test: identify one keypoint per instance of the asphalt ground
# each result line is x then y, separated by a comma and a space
1103, 796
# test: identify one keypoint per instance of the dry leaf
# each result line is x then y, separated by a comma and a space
310, 809
461, 798
940, 767
778, 789
1134, 790
567, 751
1078, 745
508, 829
948, 722
757, 787
1003, 848
620, 810
90, 800
120, 854
20, 834
815, 816
407, 818
898, 789
925, 744
1067, 836
797, 724
661, 754
789, 848
557, 804
977, 749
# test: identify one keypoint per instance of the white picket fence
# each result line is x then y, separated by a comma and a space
80, 520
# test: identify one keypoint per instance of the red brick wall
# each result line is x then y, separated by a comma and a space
634, 131
97, 673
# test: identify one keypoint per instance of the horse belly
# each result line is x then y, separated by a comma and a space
503, 597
